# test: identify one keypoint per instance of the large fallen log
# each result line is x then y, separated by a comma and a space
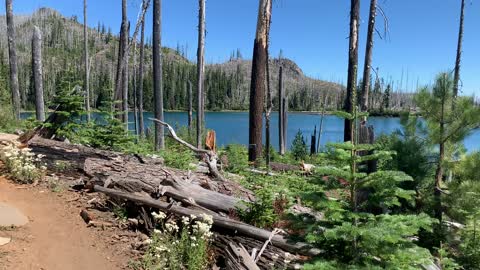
158, 181
218, 221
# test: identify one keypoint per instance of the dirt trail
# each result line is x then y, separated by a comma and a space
56, 238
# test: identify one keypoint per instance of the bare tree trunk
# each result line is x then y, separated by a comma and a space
190, 107
200, 72
135, 112
120, 78
456, 77
368, 55
320, 131
257, 86
281, 113
351, 97
37, 70
157, 74
268, 112
12, 54
87, 71
125, 79
140, 81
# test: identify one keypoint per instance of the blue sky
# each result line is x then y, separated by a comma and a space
422, 40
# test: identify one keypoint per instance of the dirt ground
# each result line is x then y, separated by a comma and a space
56, 237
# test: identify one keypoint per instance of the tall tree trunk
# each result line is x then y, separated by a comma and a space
12, 55
456, 77
190, 107
120, 77
268, 111
351, 97
281, 113
320, 131
85, 56
38, 73
368, 55
125, 84
140, 81
157, 74
134, 73
200, 72
437, 194
257, 86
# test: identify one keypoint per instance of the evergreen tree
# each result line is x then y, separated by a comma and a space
299, 146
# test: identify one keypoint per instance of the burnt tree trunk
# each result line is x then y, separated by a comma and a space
37, 70
281, 113
368, 55
85, 60
200, 72
120, 83
141, 125
456, 77
257, 85
157, 74
351, 97
190, 107
12, 59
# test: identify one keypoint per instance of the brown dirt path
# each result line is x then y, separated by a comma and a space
56, 238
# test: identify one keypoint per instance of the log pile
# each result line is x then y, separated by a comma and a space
147, 184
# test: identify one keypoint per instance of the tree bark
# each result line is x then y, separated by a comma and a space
12, 54
157, 74
125, 78
320, 131
200, 72
37, 70
120, 78
351, 96
141, 125
85, 59
190, 107
281, 114
134, 84
257, 86
368, 55
456, 77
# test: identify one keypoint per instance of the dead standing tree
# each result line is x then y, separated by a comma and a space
350, 99
281, 113
157, 74
140, 80
120, 82
200, 72
12, 57
456, 77
257, 85
368, 55
37, 71
85, 59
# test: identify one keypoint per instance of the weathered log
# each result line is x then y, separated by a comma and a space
76, 155
283, 167
154, 180
211, 158
233, 226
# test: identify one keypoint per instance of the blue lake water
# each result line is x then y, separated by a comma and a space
232, 127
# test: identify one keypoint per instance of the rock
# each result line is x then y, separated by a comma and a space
11, 216
4, 241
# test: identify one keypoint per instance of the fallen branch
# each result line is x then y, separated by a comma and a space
210, 156
218, 221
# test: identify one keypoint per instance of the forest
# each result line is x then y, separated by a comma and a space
171, 197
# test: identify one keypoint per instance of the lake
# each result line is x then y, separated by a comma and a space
232, 127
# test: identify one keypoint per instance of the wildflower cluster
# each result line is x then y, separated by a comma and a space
179, 247
23, 165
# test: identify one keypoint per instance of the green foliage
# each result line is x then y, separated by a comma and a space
237, 156
261, 213
299, 147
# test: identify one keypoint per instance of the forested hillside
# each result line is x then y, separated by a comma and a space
227, 84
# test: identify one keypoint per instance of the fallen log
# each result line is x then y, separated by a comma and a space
157, 181
211, 158
218, 221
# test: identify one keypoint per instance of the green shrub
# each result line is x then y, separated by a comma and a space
237, 156
299, 147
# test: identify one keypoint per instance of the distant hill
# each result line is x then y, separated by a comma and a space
227, 84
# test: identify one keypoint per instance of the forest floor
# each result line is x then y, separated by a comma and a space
56, 237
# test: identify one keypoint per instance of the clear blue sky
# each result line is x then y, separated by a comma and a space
422, 40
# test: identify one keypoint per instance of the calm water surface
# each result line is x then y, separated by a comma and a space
232, 127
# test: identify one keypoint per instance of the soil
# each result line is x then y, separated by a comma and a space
56, 237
